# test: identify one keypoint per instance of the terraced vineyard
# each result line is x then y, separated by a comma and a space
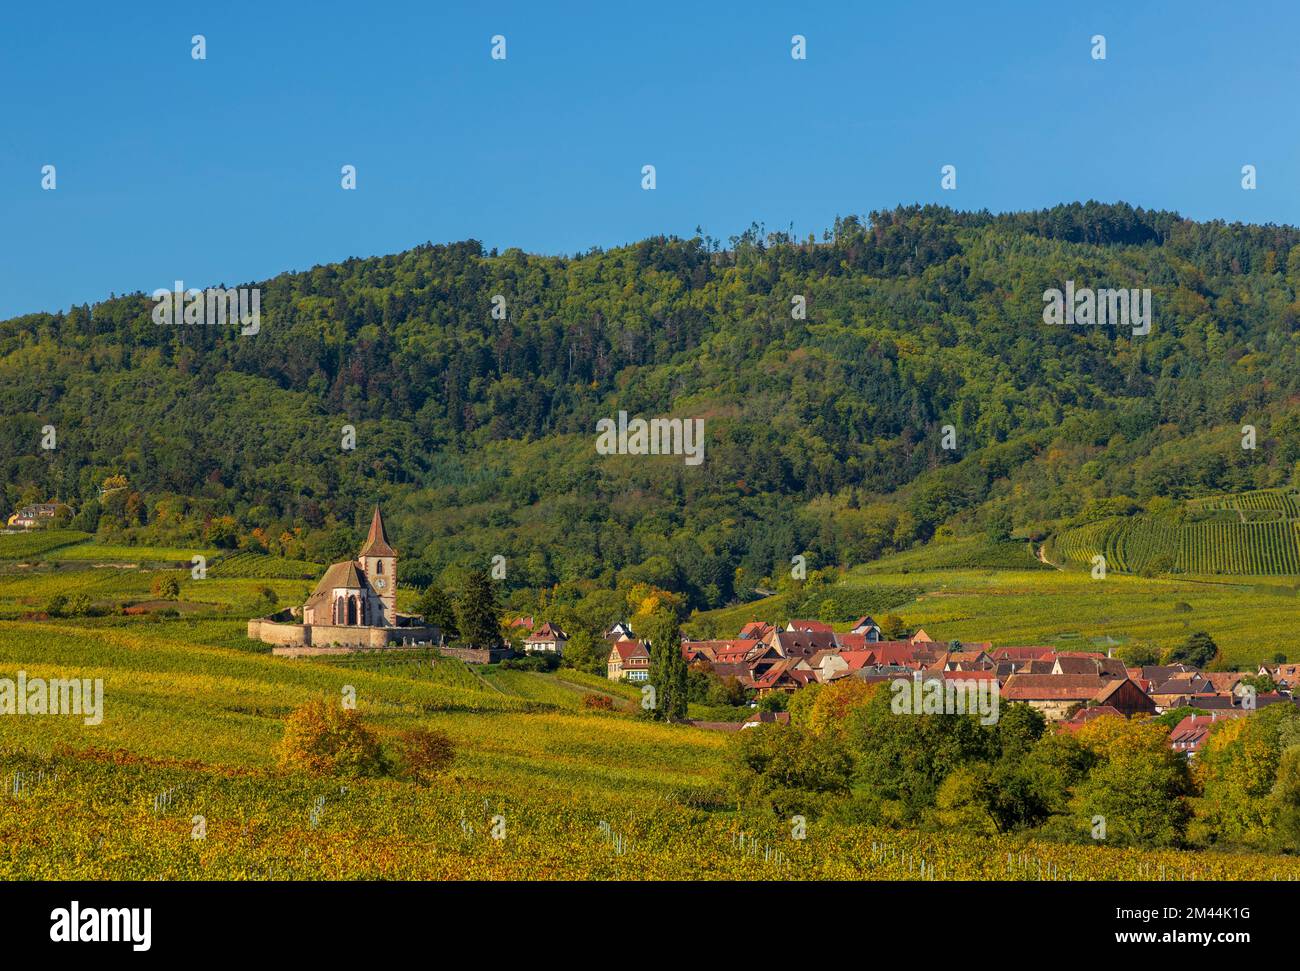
1262, 499
1264, 540
1080, 544
1263, 548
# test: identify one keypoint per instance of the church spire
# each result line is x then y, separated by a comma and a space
377, 541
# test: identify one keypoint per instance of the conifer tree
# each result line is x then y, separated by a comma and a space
667, 666
478, 613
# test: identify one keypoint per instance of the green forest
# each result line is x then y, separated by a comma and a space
823, 429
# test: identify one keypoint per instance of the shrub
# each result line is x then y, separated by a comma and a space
786, 769
165, 588
79, 605
325, 739
598, 702
531, 662
424, 753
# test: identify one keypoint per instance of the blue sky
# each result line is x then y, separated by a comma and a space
227, 170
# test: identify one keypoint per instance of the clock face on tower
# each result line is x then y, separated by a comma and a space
380, 583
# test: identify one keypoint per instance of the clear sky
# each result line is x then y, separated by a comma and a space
227, 170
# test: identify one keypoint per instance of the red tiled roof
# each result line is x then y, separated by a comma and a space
628, 649
894, 652
767, 718
547, 632
802, 643
1054, 687
811, 626
1022, 653
1190, 733
1085, 715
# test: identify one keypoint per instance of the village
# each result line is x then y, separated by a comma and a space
1070, 688
354, 607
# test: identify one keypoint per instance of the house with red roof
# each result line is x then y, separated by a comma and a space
1085, 715
1055, 694
629, 660
1022, 653
808, 626
1285, 676
719, 651
866, 627
799, 643
547, 639
1191, 733
787, 675
1075, 664
965, 661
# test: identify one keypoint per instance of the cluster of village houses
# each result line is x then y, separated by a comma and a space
1069, 687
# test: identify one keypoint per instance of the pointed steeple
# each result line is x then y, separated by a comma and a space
377, 542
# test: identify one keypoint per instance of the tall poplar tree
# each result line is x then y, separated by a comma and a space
667, 666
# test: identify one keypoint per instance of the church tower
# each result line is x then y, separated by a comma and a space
378, 561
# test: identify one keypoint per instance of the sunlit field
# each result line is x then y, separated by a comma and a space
193, 711
1250, 618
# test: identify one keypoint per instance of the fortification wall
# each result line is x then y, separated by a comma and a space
329, 639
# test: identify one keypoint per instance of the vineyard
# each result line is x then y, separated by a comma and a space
193, 710
969, 552
259, 566
33, 545
1256, 533
155, 820
1270, 500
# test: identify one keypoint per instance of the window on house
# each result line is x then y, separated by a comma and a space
379, 566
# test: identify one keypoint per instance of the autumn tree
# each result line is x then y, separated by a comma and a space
1139, 785
324, 738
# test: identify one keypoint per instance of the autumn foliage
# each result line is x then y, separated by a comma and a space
424, 754
326, 739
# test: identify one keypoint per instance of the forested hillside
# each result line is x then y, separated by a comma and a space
822, 434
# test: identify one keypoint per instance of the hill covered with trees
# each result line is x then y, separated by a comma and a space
823, 430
